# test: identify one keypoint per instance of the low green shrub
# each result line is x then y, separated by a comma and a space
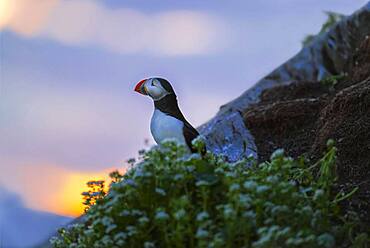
331, 19
173, 199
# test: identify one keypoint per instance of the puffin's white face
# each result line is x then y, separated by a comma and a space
151, 87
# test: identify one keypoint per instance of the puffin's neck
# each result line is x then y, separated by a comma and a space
168, 105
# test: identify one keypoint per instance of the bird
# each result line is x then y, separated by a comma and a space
167, 121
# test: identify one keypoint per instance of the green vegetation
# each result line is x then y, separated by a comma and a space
332, 18
331, 81
173, 199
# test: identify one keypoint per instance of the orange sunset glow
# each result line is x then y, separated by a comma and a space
68, 200
54, 188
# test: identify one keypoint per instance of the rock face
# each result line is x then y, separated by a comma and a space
295, 109
301, 117
328, 54
227, 135
287, 122
346, 119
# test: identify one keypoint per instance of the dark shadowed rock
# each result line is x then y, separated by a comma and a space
328, 54
284, 124
346, 119
301, 117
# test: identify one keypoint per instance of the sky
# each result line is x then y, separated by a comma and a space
68, 112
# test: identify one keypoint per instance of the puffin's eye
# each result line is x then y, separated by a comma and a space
153, 83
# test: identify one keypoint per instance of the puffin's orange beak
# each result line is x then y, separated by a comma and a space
140, 87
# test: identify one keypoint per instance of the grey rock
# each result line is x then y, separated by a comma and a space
227, 135
326, 55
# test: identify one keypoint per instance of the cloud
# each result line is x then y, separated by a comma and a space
127, 31
80, 128
25, 17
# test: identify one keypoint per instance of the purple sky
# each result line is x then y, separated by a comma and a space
68, 71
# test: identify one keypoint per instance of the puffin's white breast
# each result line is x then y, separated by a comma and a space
164, 126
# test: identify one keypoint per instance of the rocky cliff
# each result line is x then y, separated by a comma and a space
326, 55
321, 93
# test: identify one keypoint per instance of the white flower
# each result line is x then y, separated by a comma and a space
326, 240
180, 214
249, 214
160, 191
143, 220
125, 213
106, 240
277, 154
219, 170
149, 244
110, 228
245, 199
148, 174
231, 174
202, 216
201, 233
319, 193
234, 187
107, 221
138, 173
201, 183
262, 188
120, 242
137, 212
228, 211
131, 230
120, 235
277, 210
178, 177
161, 215
250, 185
193, 156
272, 179
199, 142
89, 232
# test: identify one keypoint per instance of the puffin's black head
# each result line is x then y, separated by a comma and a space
156, 88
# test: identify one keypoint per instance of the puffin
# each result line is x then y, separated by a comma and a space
167, 121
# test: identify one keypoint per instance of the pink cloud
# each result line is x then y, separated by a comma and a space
86, 22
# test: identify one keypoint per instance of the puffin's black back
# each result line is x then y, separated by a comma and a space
168, 105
